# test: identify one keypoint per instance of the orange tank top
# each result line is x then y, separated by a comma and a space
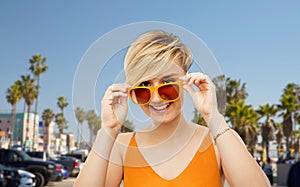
202, 171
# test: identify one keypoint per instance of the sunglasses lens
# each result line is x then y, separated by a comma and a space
169, 92
140, 95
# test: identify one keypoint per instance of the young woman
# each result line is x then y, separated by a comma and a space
172, 151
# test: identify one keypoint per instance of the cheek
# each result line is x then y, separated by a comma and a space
179, 104
146, 110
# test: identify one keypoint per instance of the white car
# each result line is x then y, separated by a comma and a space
27, 178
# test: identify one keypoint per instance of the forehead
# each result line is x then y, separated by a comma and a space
149, 69
171, 70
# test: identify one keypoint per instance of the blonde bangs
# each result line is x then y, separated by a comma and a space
152, 54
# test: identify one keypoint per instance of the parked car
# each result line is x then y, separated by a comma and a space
11, 176
60, 175
71, 164
27, 179
38, 154
2, 179
65, 172
79, 155
44, 170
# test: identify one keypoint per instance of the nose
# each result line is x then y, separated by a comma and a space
155, 98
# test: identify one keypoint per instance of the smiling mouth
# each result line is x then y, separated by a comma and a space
161, 108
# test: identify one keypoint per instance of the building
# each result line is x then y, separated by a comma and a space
48, 136
22, 122
61, 143
70, 142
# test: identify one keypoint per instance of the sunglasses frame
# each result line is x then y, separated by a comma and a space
155, 88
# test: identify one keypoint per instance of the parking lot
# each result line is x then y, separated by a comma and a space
65, 183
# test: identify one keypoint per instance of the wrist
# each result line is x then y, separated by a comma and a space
104, 141
220, 133
217, 123
113, 132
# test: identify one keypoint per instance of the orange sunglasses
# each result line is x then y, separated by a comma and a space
168, 92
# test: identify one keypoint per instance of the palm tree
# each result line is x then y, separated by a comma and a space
37, 67
80, 116
14, 95
60, 119
279, 137
267, 129
92, 120
235, 91
289, 105
47, 117
220, 84
62, 103
198, 119
242, 117
97, 126
244, 121
62, 124
29, 93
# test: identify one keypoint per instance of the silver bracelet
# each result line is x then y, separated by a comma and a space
222, 132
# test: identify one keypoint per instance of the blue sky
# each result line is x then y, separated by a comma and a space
257, 42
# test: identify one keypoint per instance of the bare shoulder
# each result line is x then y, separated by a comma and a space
120, 147
124, 138
201, 130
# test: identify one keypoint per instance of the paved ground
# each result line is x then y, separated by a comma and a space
65, 183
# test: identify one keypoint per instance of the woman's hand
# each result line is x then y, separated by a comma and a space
114, 106
204, 96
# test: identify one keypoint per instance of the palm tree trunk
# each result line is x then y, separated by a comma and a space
267, 147
46, 142
60, 140
27, 126
24, 108
91, 136
79, 135
36, 111
13, 114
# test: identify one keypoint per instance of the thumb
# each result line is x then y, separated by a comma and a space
123, 100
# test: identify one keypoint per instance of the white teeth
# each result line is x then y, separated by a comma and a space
160, 107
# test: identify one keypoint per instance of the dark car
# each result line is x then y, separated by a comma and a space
60, 175
39, 154
11, 176
2, 179
43, 170
79, 155
71, 164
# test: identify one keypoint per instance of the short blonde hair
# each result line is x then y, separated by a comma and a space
150, 55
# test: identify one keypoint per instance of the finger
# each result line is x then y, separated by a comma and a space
115, 97
115, 88
184, 78
119, 87
189, 89
200, 80
123, 100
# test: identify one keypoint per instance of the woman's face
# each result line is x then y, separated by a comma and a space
159, 110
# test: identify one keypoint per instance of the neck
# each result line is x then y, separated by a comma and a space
159, 132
